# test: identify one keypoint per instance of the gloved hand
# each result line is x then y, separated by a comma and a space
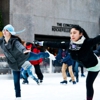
51, 56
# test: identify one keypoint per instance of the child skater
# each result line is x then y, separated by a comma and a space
16, 55
80, 48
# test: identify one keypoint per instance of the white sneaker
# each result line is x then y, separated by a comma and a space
18, 98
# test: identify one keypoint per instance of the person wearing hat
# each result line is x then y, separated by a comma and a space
16, 54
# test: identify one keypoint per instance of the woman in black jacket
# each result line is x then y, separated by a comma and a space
80, 48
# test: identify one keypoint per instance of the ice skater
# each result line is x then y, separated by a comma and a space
81, 50
67, 62
16, 55
26, 71
35, 63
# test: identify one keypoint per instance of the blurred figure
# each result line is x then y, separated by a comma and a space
66, 63
27, 71
35, 63
97, 51
76, 65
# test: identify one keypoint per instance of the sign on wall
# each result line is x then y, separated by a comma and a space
62, 27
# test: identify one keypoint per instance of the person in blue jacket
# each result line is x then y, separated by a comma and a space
97, 51
67, 62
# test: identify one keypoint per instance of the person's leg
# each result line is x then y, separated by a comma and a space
21, 76
64, 67
24, 74
82, 70
16, 78
89, 84
67, 72
25, 77
73, 64
71, 74
76, 71
38, 72
34, 56
29, 71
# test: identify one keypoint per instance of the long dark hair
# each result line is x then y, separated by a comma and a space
19, 39
81, 30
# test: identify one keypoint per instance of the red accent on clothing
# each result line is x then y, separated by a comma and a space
29, 46
36, 62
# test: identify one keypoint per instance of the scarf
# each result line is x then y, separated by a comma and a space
77, 45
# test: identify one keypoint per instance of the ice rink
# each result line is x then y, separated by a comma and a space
50, 89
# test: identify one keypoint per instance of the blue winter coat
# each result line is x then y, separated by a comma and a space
67, 59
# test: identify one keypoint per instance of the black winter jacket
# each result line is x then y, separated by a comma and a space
13, 50
97, 51
85, 55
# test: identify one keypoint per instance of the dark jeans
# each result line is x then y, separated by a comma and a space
16, 74
38, 72
16, 78
82, 69
75, 66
